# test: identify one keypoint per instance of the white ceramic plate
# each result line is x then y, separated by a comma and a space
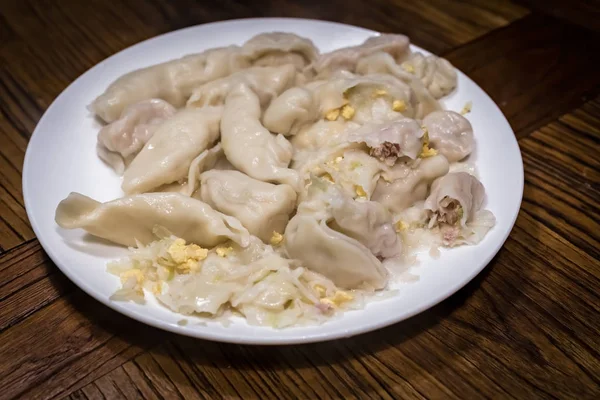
61, 158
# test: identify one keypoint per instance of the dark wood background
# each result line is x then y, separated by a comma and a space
527, 327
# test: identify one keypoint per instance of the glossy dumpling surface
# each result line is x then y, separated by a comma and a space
172, 81
167, 156
344, 260
121, 140
263, 208
125, 220
249, 146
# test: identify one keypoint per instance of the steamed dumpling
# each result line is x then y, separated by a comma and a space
280, 48
383, 63
391, 140
450, 134
436, 73
347, 58
410, 184
121, 140
290, 111
368, 222
172, 81
455, 198
266, 82
167, 156
344, 260
456, 202
132, 218
263, 208
250, 147
207, 160
345, 96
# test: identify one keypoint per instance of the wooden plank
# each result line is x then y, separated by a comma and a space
82, 341
28, 282
524, 68
580, 12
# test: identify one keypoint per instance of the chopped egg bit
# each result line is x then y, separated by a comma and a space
427, 151
337, 299
186, 257
360, 191
401, 226
399, 105
276, 239
330, 303
346, 111
224, 251
467, 108
408, 68
133, 279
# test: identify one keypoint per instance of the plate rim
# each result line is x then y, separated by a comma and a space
258, 340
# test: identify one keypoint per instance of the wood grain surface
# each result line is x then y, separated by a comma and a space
526, 327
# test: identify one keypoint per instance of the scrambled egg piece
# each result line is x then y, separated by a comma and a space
348, 111
379, 92
157, 289
360, 192
133, 279
408, 68
335, 163
467, 108
337, 299
321, 290
332, 115
399, 105
401, 226
427, 151
327, 176
276, 239
224, 251
186, 257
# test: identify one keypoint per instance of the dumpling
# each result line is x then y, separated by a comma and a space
347, 58
207, 160
344, 260
345, 97
263, 208
436, 73
172, 81
121, 140
383, 63
250, 147
290, 111
368, 222
450, 134
279, 48
132, 218
455, 202
266, 82
409, 184
353, 170
391, 140
455, 198
168, 154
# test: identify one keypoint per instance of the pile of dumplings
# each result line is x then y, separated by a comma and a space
273, 182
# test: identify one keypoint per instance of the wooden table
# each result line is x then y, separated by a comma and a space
526, 327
